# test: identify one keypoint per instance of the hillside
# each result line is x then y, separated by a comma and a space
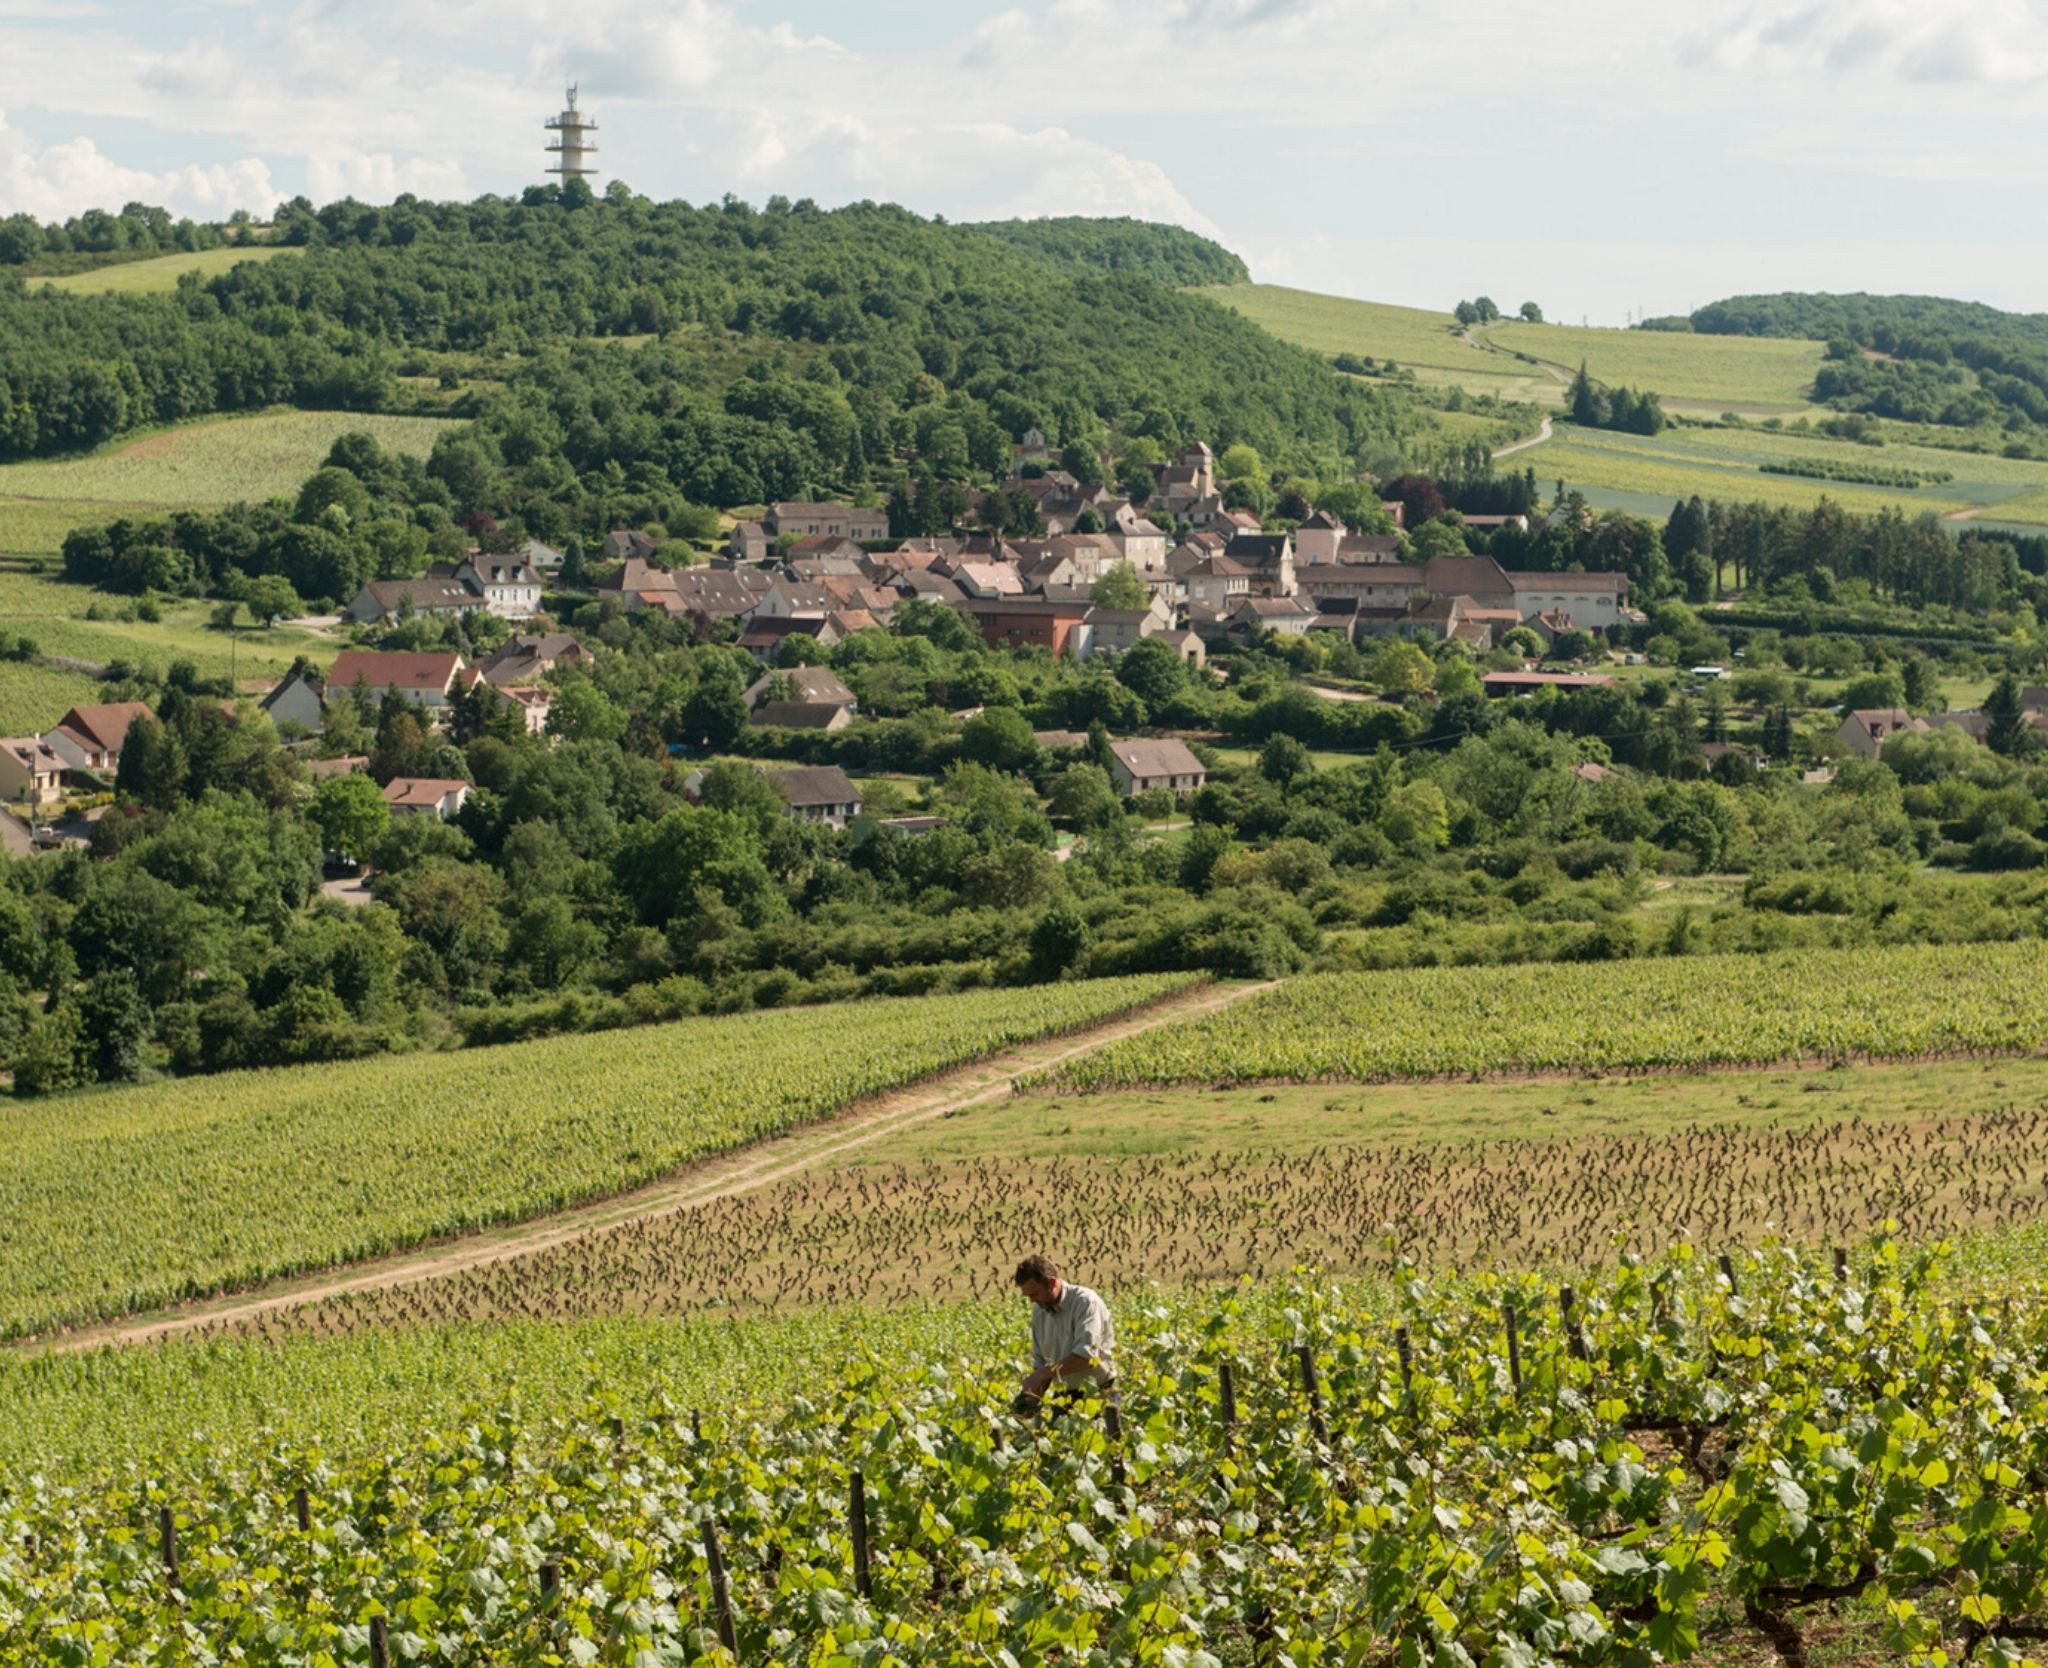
803, 351
1166, 253
1786, 446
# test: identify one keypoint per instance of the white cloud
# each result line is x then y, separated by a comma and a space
1926, 41
379, 177
54, 182
987, 170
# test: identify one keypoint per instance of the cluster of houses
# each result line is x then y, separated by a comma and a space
828, 570
430, 679
1865, 730
507, 586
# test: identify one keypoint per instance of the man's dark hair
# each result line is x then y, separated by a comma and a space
1037, 1266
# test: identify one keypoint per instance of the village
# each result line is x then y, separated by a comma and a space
1179, 568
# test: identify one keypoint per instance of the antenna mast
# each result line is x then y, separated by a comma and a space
573, 148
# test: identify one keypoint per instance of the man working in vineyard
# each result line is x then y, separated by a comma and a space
1072, 1340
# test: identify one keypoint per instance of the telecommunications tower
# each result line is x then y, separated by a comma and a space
573, 148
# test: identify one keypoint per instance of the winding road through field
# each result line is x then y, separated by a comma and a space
767, 1162
1541, 435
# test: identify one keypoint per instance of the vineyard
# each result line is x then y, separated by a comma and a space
143, 1196
1866, 474
909, 1233
1681, 1457
1619, 1016
195, 466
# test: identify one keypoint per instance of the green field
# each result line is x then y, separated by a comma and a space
1708, 374
198, 466
1645, 474
1705, 375
53, 616
1693, 1011
144, 1195
1429, 344
32, 698
160, 274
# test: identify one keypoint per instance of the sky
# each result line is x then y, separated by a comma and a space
1604, 158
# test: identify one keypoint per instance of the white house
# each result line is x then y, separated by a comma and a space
509, 586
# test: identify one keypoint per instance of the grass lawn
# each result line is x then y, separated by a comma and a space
198, 466
160, 275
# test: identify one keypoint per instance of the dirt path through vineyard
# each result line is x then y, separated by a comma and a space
766, 1162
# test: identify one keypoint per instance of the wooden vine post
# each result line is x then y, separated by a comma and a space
167, 1544
862, 1580
380, 1643
721, 1599
302, 1509
1514, 1326
1728, 1274
1226, 1385
1406, 1351
1313, 1390
1574, 1333
1113, 1428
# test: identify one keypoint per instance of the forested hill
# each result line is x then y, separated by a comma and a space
1818, 316
1917, 358
1170, 254
800, 350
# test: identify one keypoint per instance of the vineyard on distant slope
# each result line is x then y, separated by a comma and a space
143, 1196
1612, 1016
1501, 1471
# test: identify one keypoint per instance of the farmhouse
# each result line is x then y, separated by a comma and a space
1865, 730
410, 796
426, 679
818, 793
91, 738
298, 698
522, 659
30, 771
802, 519
624, 543
1141, 765
388, 600
810, 684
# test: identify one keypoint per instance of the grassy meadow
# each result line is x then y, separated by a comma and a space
197, 466
160, 274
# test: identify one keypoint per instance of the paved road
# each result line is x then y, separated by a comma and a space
14, 838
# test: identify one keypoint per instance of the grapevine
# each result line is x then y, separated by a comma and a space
1490, 1470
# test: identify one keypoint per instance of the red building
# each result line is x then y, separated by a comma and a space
1013, 623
